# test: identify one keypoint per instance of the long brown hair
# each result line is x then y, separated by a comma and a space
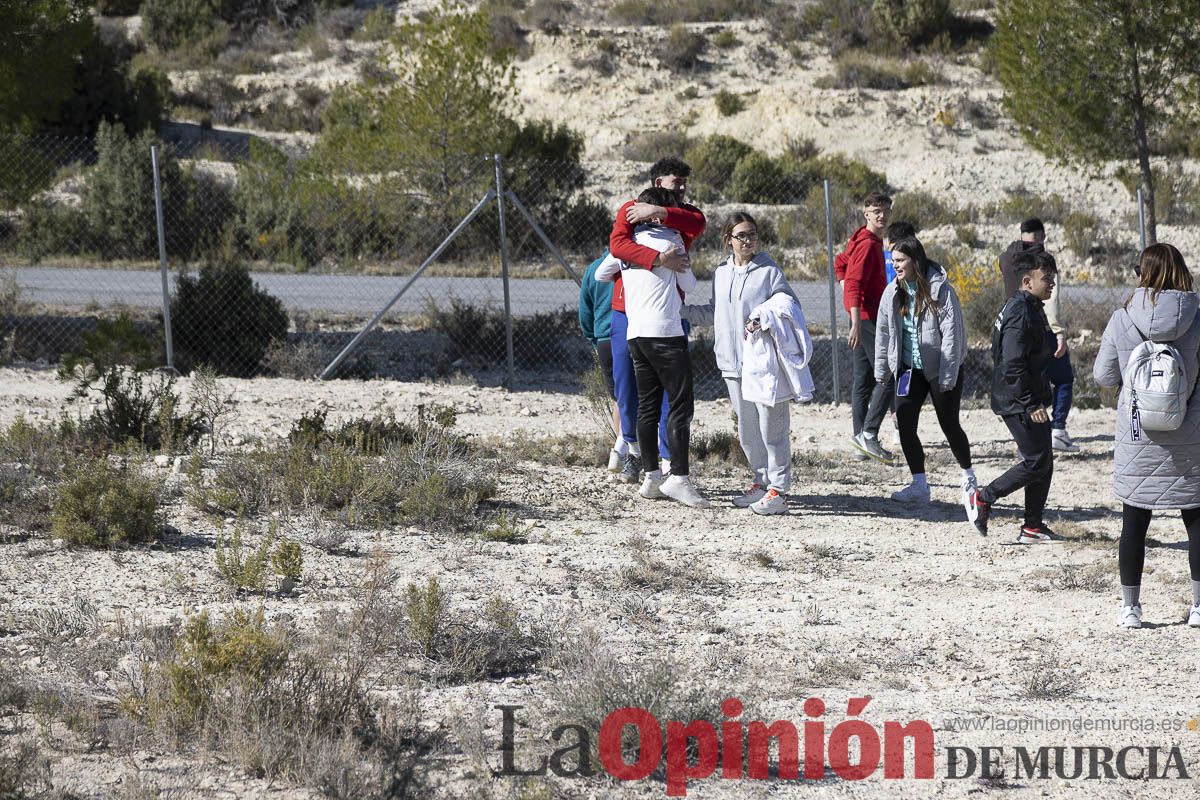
735, 219
1162, 268
912, 247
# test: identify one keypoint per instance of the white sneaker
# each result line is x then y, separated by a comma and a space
770, 503
969, 485
614, 461
1194, 617
1061, 440
678, 487
912, 494
652, 485
1130, 616
752, 496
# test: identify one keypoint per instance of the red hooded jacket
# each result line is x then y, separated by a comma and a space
864, 274
686, 219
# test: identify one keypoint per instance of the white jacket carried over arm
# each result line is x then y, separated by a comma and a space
775, 359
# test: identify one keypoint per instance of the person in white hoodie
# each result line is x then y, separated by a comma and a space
745, 280
659, 348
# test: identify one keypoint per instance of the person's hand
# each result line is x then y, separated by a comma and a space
1039, 416
1062, 346
854, 336
674, 259
752, 326
640, 212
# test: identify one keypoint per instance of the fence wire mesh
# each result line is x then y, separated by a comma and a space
276, 260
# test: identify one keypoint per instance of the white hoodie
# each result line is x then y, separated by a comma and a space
653, 297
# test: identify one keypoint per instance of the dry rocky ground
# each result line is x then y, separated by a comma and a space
850, 595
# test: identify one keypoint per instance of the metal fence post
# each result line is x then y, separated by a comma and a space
1141, 217
508, 323
162, 256
833, 334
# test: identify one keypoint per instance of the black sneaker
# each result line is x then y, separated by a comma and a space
1036, 534
978, 511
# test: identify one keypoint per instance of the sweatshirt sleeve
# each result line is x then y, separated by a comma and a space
1051, 307
622, 245
839, 266
853, 292
587, 314
953, 330
703, 314
688, 220
1107, 368
883, 333
779, 284
686, 280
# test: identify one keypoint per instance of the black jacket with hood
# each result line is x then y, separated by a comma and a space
1022, 345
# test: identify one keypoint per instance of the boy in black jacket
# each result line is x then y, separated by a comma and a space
1022, 345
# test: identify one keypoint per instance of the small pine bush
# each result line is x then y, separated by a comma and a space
680, 51
101, 505
913, 21
713, 160
223, 319
729, 103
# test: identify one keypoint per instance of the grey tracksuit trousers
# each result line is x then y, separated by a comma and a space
765, 434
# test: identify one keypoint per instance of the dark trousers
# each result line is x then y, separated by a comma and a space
869, 401
1062, 378
945, 405
625, 387
1032, 473
1132, 550
662, 365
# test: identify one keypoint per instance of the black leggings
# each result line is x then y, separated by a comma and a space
945, 405
1132, 554
663, 365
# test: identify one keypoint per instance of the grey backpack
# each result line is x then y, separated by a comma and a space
1158, 388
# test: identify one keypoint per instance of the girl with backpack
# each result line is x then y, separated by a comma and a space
921, 342
1151, 349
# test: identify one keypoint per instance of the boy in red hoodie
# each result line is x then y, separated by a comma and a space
861, 292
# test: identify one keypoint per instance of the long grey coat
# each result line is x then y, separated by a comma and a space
1162, 470
941, 335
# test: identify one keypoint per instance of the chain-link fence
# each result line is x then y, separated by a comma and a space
260, 258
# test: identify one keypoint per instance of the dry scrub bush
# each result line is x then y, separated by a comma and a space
99, 504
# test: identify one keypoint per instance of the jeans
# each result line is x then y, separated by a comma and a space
1033, 472
662, 364
1062, 378
869, 401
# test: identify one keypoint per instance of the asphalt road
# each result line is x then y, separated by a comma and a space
366, 294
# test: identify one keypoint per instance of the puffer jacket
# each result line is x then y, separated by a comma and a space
941, 335
1022, 345
1162, 469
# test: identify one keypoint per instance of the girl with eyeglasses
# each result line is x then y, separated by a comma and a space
921, 341
746, 279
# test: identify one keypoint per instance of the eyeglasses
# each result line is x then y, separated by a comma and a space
745, 238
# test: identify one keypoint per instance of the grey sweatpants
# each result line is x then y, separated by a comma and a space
765, 434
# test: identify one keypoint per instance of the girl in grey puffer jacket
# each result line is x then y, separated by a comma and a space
1158, 469
920, 333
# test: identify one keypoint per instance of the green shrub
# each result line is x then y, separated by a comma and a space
725, 39
1081, 232
857, 69
680, 50
713, 160
840, 24
925, 210
223, 319
101, 505
478, 332
851, 179
653, 145
1176, 193
913, 21
117, 8
377, 25
758, 178
729, 103
655, 12
168, 24
240, 564
108, 88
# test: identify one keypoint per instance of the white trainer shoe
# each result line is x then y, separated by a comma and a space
652, 485
1061, 440
614, 461
969, 485
678, 487
1194, 617
752, 496
770, 503
1130, 616
912, 494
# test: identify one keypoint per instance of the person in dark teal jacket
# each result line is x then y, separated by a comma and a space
595, 320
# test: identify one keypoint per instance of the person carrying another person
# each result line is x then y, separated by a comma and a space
659, 348
746, 280
921, 342
1022, 345
595, 320
1151, 349
670, 174
1059, 371
861, 292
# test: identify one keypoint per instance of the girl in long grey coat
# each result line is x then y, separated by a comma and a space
1157, 470
920, 333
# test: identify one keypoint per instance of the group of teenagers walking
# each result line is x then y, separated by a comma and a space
909, 341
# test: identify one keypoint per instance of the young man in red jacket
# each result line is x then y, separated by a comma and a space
670, 174
861, 292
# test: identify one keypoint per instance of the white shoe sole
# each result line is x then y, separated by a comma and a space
614, 461
651, 492
770, 510
741, 502
691, 501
